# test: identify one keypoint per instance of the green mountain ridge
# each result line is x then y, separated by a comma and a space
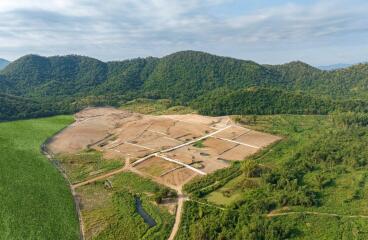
182, 77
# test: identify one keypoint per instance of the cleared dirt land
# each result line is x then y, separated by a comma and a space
170, 148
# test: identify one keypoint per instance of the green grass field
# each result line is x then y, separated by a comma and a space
35, 200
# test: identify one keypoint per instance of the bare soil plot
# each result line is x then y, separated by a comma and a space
239, 152
179, 177
156, 166
199, 119
162, 125
218, 145
130, 151
207, 157
257, 138
233, 132
91, 126
131, 130
184, 131
155, 140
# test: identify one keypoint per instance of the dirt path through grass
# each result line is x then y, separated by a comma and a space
316, 213
179, 212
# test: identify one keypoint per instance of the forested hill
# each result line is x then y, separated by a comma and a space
182, 77
345, 83
271, 101
3, 63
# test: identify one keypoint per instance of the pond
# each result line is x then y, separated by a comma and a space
146, 217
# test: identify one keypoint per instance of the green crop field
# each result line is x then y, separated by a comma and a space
36, 202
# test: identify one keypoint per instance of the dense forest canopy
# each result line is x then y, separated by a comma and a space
186, 77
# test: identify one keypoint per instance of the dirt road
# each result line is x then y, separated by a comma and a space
316, 213
179, 211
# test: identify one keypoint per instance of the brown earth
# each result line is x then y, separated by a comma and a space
257, 138
238, 153
233, 132
156, 166
132, 136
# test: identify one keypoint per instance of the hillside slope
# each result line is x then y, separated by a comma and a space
182, 77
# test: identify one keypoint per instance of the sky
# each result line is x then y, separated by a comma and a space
266, 31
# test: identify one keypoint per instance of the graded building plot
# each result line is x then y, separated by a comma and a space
218, 145
179, 177
238, 153
156, 166
161, 143
185, 131
212, 164
257, 139
199, 119
233, 132
206, 157
153, 140
131, 151
161, 125
132, 130
186, 154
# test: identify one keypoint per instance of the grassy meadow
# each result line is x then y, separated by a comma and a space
35, 200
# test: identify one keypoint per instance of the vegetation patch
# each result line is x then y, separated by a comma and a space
86, 164
156, 107
36, 202
111, 213
318, 171
199, 144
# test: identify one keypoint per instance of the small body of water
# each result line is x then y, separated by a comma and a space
146, 217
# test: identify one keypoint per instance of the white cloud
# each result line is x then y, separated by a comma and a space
122, 28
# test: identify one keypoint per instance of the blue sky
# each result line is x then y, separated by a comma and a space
274, 31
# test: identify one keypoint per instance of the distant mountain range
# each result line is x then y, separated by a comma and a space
3, 63
72, 82
335, 66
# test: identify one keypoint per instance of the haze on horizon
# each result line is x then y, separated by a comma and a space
317, 32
